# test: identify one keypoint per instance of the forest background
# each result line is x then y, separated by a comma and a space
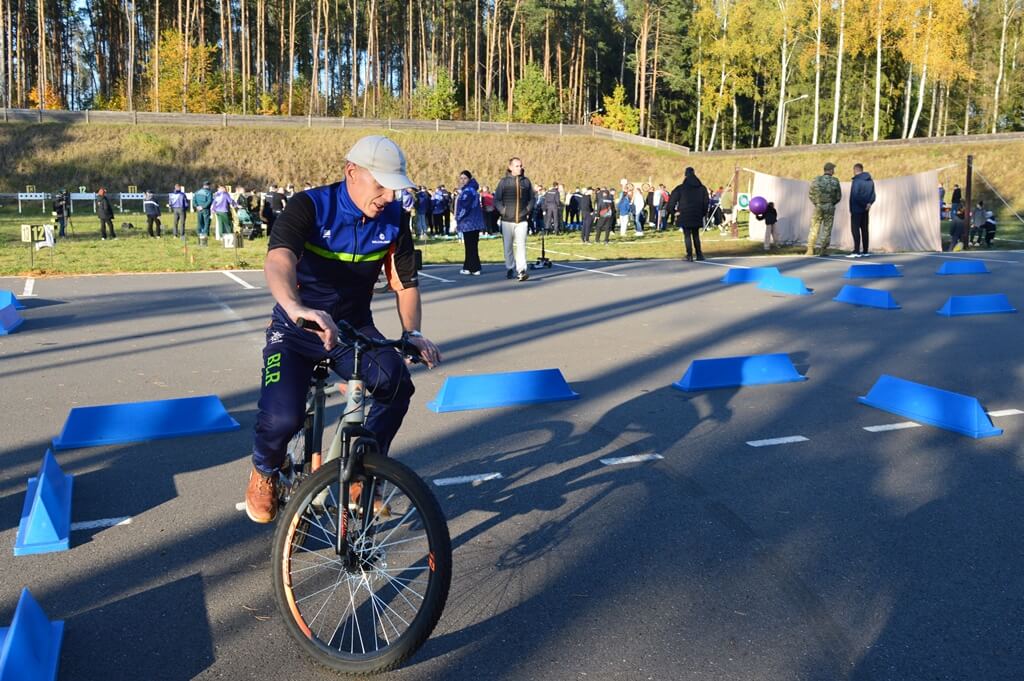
709, 74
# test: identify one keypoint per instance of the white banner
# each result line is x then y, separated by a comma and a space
904, 217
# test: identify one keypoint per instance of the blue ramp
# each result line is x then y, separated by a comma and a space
924, 404
9, 319
963, 267
745, 275
8, 298
872, 271
729, 372
866, 297
30, 647
460, 393
793, 286
46, 515
139, 421
961, 306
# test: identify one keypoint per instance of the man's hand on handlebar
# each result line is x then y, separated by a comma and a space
429, 352
325, 327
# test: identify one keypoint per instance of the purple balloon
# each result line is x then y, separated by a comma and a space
758, 205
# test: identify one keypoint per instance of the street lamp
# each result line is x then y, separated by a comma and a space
781, 135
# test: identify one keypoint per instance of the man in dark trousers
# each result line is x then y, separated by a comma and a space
105, 212
274, 202
689, 202
862, 195
553, 210
956, 202
587, 213
605, 214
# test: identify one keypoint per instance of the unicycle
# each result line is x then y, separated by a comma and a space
361, 560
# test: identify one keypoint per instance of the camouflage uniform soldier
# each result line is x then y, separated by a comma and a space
825, 193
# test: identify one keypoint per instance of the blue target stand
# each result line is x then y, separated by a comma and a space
142, 421
953, 267
924, 404
872, 271
30, 647
791, 286
461, 393
866, 297
962, 306
731, 372
9, 317
45, 524
747, 275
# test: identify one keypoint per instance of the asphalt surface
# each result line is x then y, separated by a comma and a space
849, 555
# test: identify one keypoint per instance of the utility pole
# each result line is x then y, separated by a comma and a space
968, 214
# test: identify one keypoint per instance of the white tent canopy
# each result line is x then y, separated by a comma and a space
904, 217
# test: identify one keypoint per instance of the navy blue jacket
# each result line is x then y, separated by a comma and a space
469, 216
862, 192
341, 251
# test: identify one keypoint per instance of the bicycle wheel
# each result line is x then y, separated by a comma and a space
370, 615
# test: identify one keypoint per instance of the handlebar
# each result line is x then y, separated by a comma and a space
349, 335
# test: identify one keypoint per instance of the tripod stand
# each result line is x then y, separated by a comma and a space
542, 261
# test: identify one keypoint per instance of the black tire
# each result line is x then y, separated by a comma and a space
414, 536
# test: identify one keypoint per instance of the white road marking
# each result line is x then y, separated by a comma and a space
575, 255
240, 506
584, 269
636, 458
967, 257
1005, 412
778, 441
243, 282
30, 285
105, 522
716, 264
903, 425
470, 479
431, 276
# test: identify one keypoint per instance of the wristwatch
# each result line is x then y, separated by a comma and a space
412, 334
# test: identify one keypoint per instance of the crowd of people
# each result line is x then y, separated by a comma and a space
516, 208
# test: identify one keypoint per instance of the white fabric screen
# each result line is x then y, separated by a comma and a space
904, 217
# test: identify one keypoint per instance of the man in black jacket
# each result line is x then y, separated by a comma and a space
513, 199
553, 210
689, 203
586, 205
105, 212
605, 210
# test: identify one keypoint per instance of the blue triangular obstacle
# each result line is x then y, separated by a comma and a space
959, 306
30, 647
728, 372
866, 297
46, 515
872, 271
8, 298
793, 286
139, 421
745, 275
936, 407
963, 267
9, 321
501, 390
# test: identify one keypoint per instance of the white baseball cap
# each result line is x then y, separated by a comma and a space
385, 161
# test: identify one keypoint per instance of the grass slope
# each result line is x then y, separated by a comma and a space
52, 155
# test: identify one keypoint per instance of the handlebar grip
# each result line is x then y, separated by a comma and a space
307, 324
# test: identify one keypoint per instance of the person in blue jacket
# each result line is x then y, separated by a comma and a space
422, 212
862, 196
469, 220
